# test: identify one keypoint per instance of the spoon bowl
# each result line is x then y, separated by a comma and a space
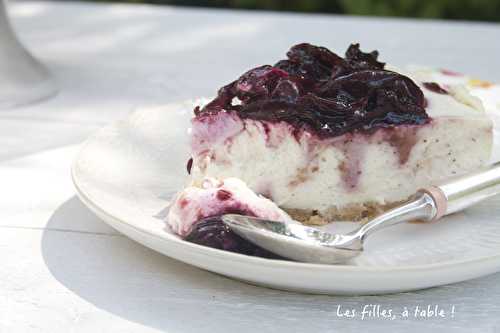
295, 241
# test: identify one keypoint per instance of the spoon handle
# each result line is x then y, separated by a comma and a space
433, 202
462, 192
421, 207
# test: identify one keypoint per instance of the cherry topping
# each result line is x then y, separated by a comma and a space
317, 90
434, 87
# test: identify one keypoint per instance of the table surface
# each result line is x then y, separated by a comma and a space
63, 270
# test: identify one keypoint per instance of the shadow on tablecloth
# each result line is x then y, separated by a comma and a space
128, 280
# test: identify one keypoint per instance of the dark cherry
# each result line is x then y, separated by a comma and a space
319, 91
223, 195
435, 87
212, 232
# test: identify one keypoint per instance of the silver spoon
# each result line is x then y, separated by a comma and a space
306, 244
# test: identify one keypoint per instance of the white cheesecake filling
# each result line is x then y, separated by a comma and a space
487, 92
301, 171
216, 197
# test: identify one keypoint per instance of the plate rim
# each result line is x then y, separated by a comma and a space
252, 260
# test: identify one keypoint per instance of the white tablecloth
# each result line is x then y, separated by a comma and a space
63, 270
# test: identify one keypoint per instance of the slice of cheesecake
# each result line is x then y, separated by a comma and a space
331, 138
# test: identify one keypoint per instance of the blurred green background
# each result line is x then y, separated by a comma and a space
478, 10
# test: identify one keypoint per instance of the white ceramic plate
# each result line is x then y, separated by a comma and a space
127, 172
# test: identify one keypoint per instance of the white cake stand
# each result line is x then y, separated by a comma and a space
23, 80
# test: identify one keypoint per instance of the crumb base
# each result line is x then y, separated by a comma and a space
355, 213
